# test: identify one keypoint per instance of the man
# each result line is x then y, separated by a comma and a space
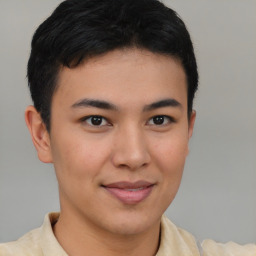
113, 83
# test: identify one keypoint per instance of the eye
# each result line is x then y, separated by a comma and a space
95, 121
160, 120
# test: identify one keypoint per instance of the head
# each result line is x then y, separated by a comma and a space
113, 83
79, 30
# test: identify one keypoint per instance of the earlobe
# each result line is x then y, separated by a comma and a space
39, 134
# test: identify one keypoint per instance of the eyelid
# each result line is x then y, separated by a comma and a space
169, 118
86, 118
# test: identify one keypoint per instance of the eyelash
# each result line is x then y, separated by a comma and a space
97, 118
87, 118
162, 118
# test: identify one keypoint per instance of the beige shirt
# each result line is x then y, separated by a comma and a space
174, 242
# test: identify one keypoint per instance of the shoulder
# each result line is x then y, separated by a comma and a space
38, 242
181, 242
27, 245
212, 248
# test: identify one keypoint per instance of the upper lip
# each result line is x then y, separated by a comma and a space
129, 185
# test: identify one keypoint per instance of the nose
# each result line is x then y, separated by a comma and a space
130, 149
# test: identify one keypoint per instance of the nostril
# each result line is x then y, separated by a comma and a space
131, 163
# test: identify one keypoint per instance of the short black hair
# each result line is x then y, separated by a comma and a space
81, 29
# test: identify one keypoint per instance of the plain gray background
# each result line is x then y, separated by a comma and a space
217, 196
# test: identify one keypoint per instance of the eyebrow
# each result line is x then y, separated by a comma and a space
94, 103
163, 103
170, 102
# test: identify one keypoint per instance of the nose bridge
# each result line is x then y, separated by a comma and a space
130, 147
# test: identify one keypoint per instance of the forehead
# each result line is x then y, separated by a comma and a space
128, 74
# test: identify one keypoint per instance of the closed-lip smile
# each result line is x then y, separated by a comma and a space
130, 192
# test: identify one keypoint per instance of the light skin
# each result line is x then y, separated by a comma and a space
120, 117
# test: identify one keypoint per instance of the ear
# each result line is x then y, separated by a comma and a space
39, 134
191, 123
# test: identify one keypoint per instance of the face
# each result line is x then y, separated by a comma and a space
119, 139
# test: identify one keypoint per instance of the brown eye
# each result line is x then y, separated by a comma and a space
96, 121
160, 120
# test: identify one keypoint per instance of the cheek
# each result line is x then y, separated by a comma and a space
78, 157
170, 155
172, 149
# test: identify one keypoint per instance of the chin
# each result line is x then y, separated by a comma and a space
130, 229
133, 224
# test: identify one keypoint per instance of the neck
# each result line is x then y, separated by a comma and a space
78, 238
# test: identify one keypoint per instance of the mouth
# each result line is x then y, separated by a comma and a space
130, 192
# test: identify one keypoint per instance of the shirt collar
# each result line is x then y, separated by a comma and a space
49, 244
173, 241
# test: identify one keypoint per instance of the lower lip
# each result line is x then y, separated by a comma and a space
128, 196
